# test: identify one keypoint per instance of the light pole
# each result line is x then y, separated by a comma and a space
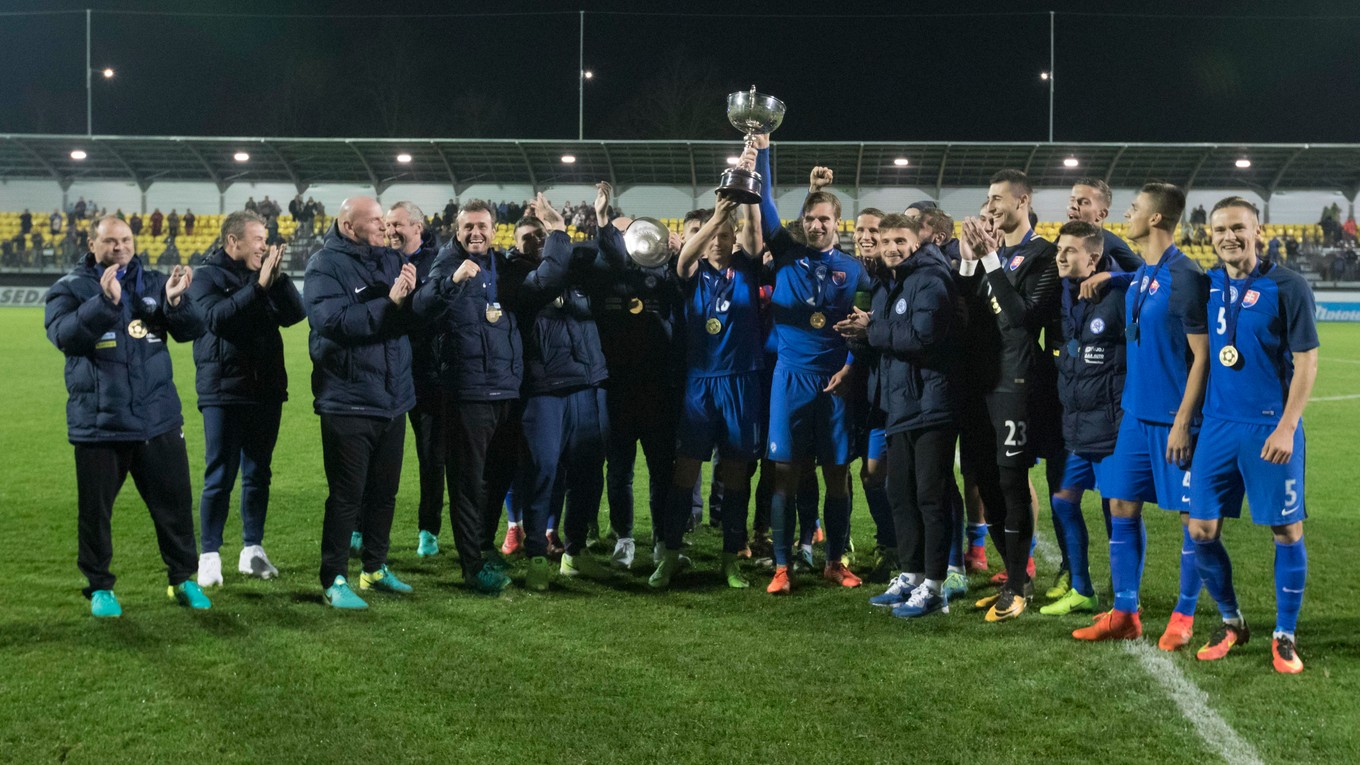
581, 80
1050, 72
106, 72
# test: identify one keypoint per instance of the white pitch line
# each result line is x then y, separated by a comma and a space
1334, 398
1342, 361
1193, 703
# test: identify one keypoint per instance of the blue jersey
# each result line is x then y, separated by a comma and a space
1164, 303
812, 291
1274, 320
723, 333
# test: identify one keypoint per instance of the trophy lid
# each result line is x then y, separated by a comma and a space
753, 112
648, 242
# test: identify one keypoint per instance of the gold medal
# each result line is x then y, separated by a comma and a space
635, 306
493, 313
136, 330
713, 326
817, 320
1229, 356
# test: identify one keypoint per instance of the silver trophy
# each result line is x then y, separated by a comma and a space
752, 113
647, 241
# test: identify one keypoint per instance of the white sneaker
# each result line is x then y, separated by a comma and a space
255, 563
624, 550
210, 570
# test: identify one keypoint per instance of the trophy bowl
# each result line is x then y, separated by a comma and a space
647, 241
752, 113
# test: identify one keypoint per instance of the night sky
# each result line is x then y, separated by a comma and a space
1278, 72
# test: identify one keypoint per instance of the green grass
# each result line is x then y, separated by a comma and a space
610, 672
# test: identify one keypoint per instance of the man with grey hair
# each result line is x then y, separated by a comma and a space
357, 292
244, 298
407, 234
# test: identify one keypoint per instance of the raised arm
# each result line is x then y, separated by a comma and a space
688, 262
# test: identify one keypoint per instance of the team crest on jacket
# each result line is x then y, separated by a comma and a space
1097, 325
838, 278
650, 282
149, 303
901, 306
1016, 261
1153, 289
1250, 299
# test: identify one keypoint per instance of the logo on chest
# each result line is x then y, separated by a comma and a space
1250, 298
901, 306
1016, 261
1097, 325
1152, 290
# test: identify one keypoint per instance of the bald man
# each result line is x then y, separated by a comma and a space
357, 293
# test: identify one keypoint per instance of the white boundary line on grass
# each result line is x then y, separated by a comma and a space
1334, 398
1217, 734
1341, 361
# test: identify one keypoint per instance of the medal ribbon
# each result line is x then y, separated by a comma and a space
1143, 292
1233, 308
722, 285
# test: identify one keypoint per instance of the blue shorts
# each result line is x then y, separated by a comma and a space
876, 444
1228, 465
1138, 470
722, 412
1083, 472
806, 423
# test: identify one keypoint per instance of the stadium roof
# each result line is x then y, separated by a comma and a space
304, 162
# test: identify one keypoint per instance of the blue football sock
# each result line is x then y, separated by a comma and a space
1291, 571
1060, 533
781, 528
1128, 543
1190, 579
837, 512
1215, 568
956, 531
513, 512
977, 534
1033, 540
876, 497
1067, 517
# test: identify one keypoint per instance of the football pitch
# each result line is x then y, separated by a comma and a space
605, 672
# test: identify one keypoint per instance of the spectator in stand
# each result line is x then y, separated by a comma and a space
295, 207
1198, 217
189, 222
450, 212
1273, 249
119, 215
502, 211
252, 205
168, 258
1348, 228
92, 210
8, 259
157, 221
273, 229
82, 239
172, 252
172, 223
79, 209
269, 208
1291, 247
38, 243
1335, 212
26, 221
136, 224
54, 223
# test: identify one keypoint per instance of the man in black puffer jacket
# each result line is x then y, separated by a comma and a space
1091, 368
565, 420
110, 316
356, 292
914, 327
474, 298
244, 298
407, 234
